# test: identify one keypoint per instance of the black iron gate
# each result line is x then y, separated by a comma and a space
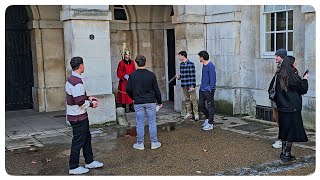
18, 70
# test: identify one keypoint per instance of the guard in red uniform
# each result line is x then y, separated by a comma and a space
125, 67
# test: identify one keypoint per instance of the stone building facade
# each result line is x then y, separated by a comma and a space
241, 41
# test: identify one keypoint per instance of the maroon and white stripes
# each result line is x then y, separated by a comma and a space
76, 98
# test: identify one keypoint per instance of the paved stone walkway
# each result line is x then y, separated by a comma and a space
166, 119
30, 131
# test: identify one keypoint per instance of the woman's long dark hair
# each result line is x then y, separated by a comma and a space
286, 73
292, 60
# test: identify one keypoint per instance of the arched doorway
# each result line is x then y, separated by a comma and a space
147, 30
18, 60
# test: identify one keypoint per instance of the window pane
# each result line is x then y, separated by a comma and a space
281, 21
269, 42
280, 7
290, 20
268, 8
281, 40
270, 22
290, 41
118, 6
120, 14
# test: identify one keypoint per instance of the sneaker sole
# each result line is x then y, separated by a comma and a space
93, 167
155, 147
207, 129
77, 173
139, 149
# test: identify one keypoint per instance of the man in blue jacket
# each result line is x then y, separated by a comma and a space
207, 89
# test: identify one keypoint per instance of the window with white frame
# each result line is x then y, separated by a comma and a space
276, 29
119, 13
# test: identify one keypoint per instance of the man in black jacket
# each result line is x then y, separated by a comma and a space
143, 88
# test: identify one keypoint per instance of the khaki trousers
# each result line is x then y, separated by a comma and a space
191, 97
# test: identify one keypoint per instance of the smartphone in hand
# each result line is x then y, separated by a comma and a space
307, 71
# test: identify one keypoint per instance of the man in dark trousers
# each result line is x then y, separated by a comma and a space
207, 89
77, 104
143, 88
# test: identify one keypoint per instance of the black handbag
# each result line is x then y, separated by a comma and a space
272, 91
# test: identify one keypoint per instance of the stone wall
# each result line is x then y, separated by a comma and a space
190, 33
231, 35
309, 100
223, 45
243, 77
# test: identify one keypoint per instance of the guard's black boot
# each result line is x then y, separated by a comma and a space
125, 107
131, 108
287, 154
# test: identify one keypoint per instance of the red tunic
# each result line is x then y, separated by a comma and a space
123, 69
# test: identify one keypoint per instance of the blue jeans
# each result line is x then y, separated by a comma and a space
141, 111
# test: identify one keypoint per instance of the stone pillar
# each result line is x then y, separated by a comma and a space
79, 23
223, 24
309, 100
48, 65
246, 98
190, 34
38, 73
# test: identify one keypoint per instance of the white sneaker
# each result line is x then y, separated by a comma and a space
205, 122
138, 146
188, 116
277, 144
94, 164
196, 117
78, 170
208, 127
155, 145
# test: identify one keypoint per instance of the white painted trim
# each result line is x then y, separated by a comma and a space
166, 61
262, 35
269, 54
283, 31
287, 14
274, 11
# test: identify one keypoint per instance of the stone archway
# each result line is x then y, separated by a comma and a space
144, 33
46, 35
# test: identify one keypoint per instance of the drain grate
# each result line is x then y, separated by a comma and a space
264, 112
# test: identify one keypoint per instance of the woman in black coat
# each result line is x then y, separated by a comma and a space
289, 88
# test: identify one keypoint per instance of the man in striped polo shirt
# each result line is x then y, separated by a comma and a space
77, 104
188, 84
